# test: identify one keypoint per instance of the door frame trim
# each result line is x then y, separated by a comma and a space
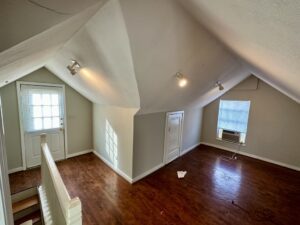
19, 83
166, 130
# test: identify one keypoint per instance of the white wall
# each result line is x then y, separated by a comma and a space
191, 128
121, 121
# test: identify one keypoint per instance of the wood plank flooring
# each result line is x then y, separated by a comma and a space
214, 191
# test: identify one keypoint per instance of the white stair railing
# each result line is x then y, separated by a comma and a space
57, 206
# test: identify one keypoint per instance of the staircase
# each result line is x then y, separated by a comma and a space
26, 207
50, 203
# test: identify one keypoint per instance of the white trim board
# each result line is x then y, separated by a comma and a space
148, 172
253, 156
18, 169
117, 170
79, 153
14, 170
189, 149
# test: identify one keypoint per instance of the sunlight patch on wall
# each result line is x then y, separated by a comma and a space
111, 143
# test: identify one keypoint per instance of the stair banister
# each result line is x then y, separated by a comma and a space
57, 206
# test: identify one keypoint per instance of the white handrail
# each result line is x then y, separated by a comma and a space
57, 206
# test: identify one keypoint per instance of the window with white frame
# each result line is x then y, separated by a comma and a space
233, 116
42, 107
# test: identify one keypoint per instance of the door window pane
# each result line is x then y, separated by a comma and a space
37, 124
37, 111
55, 111
47, 111
42, 107
55, 122
54, 99
36, 99
46, 99
47, 123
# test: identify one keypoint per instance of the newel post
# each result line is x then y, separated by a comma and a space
43, 138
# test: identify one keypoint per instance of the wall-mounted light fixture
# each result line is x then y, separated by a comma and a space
182, 81
219, 85
74, 67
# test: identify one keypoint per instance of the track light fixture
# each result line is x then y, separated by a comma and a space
182, 81
74, 67
219, 85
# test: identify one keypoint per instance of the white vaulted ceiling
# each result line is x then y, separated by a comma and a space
34, 52
102, 48
165, 39
23, 19
266, 34
130, 50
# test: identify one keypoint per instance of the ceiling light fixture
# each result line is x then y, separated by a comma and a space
74, 67
219, 85
182, 81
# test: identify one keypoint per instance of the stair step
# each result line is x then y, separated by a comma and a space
35, 217
25, 204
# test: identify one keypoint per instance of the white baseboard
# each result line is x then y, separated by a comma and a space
253, 156
148, 172
18, 169
79, 153
189, 149
117, 170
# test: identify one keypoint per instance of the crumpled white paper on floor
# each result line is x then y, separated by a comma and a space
181, 174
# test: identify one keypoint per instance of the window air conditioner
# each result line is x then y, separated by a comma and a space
231, 136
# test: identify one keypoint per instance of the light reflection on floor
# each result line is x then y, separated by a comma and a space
227, 178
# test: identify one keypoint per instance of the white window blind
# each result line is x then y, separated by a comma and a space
233, 116
42, 107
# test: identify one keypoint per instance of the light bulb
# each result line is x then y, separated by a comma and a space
182, 82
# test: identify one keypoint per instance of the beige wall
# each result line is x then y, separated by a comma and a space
191, 128
79, 117
274, 121
149, 133
121, 121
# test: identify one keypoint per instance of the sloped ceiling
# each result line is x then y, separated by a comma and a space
23, 19
166, 39
102, 48
130, 50
265, 34
33, 53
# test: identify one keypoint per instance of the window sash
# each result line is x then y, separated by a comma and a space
233, 115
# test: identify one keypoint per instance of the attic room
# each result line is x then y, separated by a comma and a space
149, 112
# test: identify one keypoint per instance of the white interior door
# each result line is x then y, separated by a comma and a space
173, 136
42, 111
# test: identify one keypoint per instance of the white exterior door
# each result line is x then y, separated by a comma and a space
42, 111
173, 136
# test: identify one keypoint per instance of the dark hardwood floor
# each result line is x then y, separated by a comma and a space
214, 191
